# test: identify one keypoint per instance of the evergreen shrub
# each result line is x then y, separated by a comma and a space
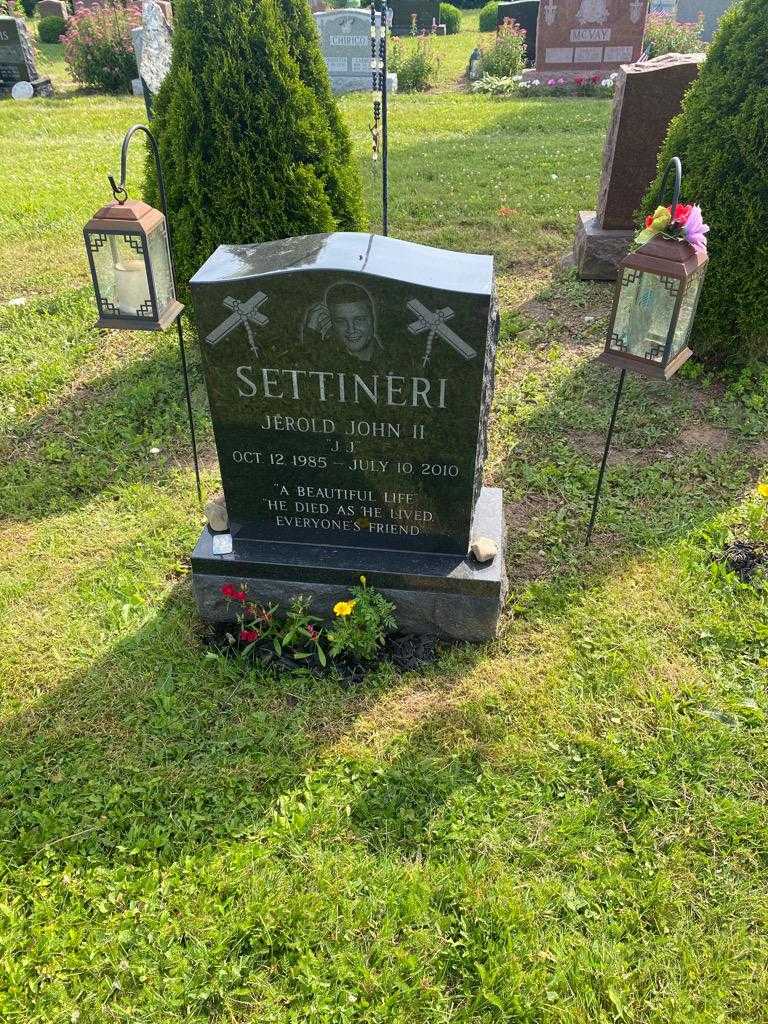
721, 136
252, 145
450, 16
488, 16
50, 29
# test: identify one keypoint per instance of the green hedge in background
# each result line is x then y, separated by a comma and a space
488, 16
450, 16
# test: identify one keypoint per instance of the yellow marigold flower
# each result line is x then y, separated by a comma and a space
762, 490
343, 608
362, 580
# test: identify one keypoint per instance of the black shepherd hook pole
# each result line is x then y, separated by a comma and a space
118, 191
384, 145
609, 438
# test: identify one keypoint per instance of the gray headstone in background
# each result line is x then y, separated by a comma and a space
345, 39
427, 12
526, 14
713, 10
350, 380
155, 46
52, 9
17, 58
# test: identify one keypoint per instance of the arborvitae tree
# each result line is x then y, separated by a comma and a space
721, 136
251, 143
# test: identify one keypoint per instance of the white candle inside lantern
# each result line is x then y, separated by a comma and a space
132, 287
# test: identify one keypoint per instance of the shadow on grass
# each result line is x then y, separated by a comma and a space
156, 748
103, 434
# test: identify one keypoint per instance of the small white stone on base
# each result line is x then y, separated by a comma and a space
484, 549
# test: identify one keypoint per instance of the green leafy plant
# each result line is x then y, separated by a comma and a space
488, 16
450, 16
506, 56
720, 138
414, 62
50, 29
664, 34
492, 85
251, 141
98, 49
361, 624
28, 6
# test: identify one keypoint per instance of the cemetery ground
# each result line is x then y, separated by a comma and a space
566, 825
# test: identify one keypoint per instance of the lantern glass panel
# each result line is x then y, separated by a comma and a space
644, 313
160, 263
121, 274
687, 310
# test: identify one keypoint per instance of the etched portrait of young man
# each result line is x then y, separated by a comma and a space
346, 319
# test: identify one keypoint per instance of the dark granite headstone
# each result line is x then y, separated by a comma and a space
525, 13
581, 38
17, 58
648, 95
350, 378
427, 13
713, 10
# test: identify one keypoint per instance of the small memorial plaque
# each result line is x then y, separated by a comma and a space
349, 379
427, 13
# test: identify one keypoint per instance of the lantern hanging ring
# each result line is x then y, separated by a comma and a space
674, 164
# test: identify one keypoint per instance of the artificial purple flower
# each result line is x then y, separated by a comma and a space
695, 229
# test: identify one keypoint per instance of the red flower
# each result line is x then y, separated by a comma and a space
249, 635
312, 631
595, 79
579, 80
229, 590
682, 213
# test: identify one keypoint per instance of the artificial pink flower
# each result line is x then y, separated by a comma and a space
695, 229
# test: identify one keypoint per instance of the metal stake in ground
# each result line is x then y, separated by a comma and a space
603, 464
118, 190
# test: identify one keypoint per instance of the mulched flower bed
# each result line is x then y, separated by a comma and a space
406, 651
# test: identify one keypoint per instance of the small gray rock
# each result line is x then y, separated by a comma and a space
216, 513
484, 549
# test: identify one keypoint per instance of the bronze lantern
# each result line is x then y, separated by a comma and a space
654, 306
130, 261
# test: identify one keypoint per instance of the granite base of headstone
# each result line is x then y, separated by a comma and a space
350, 380
648, 95
17, 59
525, 13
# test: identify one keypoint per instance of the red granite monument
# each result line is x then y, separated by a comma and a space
584, 38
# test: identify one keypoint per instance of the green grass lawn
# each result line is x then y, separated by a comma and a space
567, 826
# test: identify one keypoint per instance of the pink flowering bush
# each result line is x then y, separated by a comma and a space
98, 49
663, 34
506, 56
